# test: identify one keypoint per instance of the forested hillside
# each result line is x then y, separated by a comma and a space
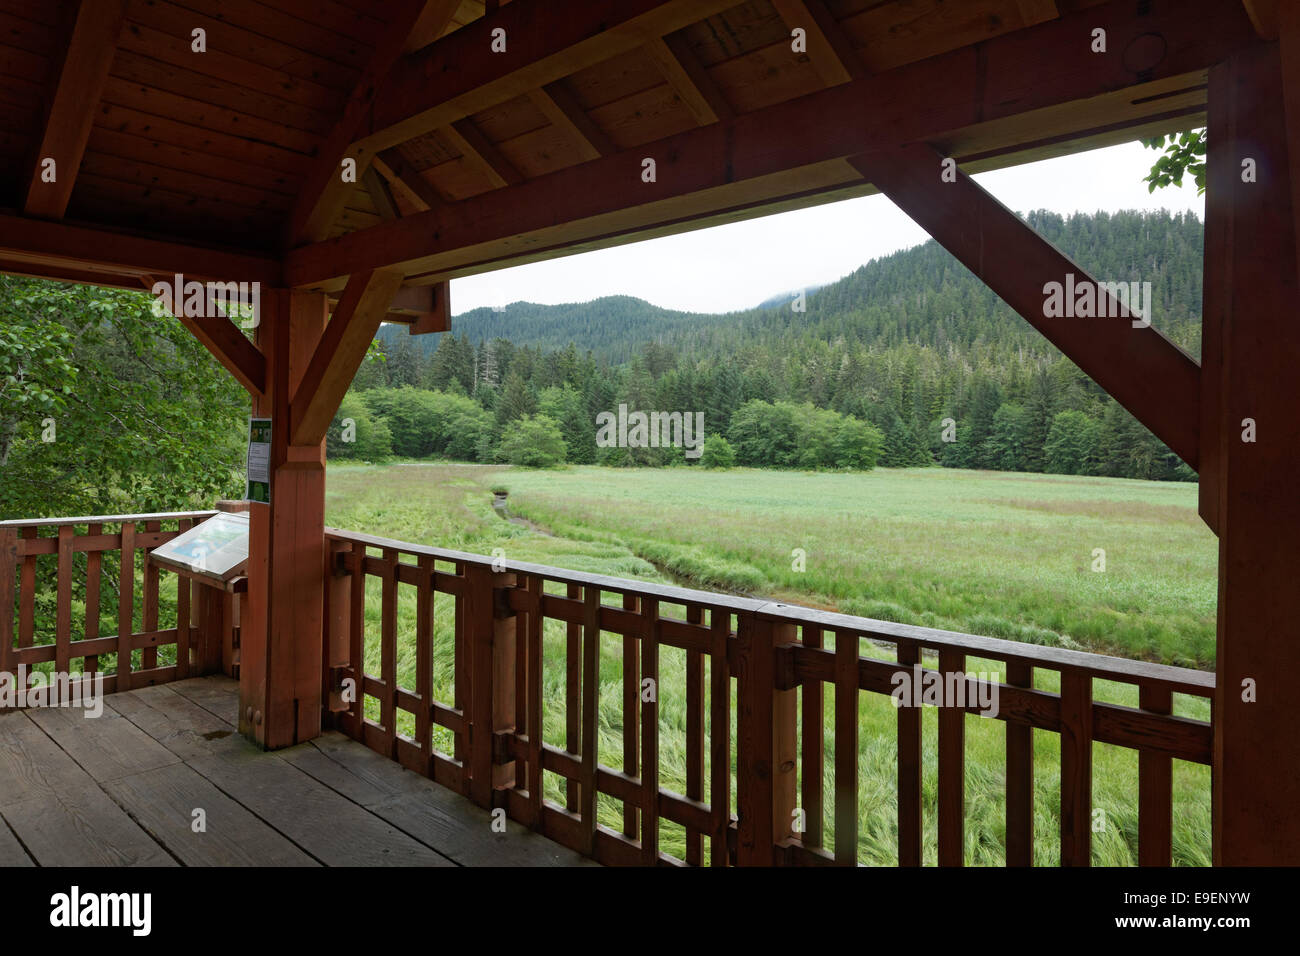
904, 343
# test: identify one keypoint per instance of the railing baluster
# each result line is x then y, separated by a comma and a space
93, 564
519, 693
536, 586
1020, 776
909, 766
719, 735
63, 613
765, 742
590, 681
1076, 769
952, 767
462, 672
631, 709
650, 733
27, 594
357, 642
388, 653
149, 656
125, 606
694, 735
184, 591
812, 721
424, 627
1155, 788
846, 748
572, 696
8, 571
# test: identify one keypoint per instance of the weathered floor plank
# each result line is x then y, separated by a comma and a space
331, 828
217, 694
176, 722
82, 826
107, 746
11, 851
163, 801
418, 806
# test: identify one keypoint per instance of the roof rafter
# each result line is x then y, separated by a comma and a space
228, 345
404, 180
559, 106
726, 165
470, 142
89, 54
689, 80
832, 55
324, 193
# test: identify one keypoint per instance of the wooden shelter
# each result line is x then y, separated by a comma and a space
353, 157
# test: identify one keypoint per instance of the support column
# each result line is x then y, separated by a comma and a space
282, 638
1251, 358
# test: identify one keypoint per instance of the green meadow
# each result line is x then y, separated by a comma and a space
1008, 555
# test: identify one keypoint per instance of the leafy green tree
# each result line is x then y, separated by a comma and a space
533, 442
1071, 444
717, 453
1183, 153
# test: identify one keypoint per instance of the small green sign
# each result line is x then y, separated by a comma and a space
259, 460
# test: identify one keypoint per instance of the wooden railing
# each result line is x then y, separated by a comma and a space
468, 710
99, 562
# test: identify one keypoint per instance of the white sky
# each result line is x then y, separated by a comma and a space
742, 264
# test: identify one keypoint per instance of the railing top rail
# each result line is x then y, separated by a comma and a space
102, 519
1178, 679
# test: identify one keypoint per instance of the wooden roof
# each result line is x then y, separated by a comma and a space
470, 159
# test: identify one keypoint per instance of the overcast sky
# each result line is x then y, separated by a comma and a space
740, 265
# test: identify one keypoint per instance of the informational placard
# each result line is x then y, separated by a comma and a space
216, 548
259, 460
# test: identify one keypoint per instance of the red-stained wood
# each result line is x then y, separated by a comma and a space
437, 319
572, 696
719, 736
185, 621
1146, 373
909, 768
590, 701
1020, 777
424, 625
149, 614
94, 561
631, 711
388, 652
339, 353
69, 118
63, 605
324, 192
1250, 227
952, 768
125, 605
282, 637
533, 703
694, 735
650, 733
8, 574
1076, 769
846, 748
1155, 789
27, 593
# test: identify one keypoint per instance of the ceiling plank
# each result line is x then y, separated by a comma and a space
1039, 68
228, 345
469, 141
380, 195
457, 76
71, 113
1037, 11
404, 180
832, 55
323, 194
689, 80
1145, 372
560, 106
339, 353
431, 24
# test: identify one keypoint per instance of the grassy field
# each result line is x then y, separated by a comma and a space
999, 554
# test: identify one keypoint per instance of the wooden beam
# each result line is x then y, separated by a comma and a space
688, 78
321, 198
404, 180
228, 345
1264, 15
429, 26
377, 186
559, 106
470, 142
728, 164
78, 248
832, 55
1145, 372
1252, 349
71, 110
340, 352
438, 318
1037, 11
458, 75
1288, 23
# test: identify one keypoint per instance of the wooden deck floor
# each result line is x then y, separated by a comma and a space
122, 790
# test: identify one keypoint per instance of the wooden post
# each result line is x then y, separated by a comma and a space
767, 724
282, 634
1250, 425
492, 629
